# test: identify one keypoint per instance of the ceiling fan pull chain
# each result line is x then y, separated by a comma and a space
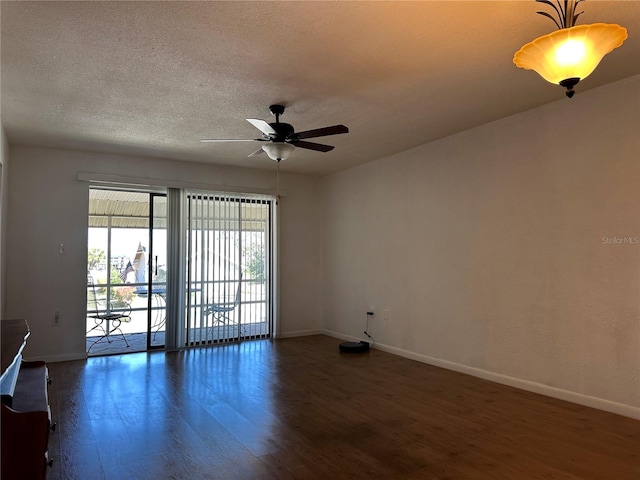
278, 183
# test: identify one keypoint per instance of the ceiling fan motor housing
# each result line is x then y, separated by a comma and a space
283, 131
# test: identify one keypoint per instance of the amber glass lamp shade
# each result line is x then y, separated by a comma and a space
569, 55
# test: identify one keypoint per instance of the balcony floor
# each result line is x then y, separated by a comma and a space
97, 345
116, 344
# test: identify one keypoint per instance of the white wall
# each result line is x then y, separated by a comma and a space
4, 195
49, 206
487, 249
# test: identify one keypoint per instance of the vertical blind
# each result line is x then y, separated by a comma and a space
175, 335
228, 267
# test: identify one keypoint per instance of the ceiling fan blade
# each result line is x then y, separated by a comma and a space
323, 132
213, 140
257, 152
313, 146
261, 125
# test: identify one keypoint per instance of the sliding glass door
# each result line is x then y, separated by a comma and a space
126, 271
222, 289
229, 270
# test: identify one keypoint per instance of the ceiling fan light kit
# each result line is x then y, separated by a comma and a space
278, 150
573, 52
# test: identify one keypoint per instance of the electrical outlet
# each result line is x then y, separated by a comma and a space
56, 319
386, 315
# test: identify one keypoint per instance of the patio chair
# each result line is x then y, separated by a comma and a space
220, 311
107, 315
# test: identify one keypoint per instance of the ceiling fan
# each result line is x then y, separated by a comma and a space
281, 139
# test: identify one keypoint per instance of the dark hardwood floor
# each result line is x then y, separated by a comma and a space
298, 409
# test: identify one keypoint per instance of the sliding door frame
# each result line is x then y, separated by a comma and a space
177, 300
157, 291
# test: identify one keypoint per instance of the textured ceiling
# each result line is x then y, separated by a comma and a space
152, 78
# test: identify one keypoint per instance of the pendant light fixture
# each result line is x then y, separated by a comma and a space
570, 54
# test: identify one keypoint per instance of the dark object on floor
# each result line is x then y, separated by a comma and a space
354, 347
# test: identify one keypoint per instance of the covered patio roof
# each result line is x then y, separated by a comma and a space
128, 209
